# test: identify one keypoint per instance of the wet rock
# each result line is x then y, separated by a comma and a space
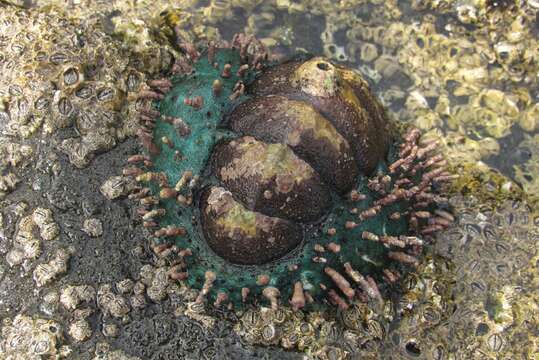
62, 197
104, 352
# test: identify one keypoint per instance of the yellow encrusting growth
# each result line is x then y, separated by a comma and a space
347, 94
309, 119
267, 161
238, 218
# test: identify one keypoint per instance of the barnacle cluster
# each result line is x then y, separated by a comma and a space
27, 338
492, 305
52, 81
315, 333
280, 181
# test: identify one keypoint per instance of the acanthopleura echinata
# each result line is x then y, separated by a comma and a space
281, 182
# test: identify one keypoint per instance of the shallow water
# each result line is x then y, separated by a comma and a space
463, 71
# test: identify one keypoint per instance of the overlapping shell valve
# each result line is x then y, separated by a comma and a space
281, 183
